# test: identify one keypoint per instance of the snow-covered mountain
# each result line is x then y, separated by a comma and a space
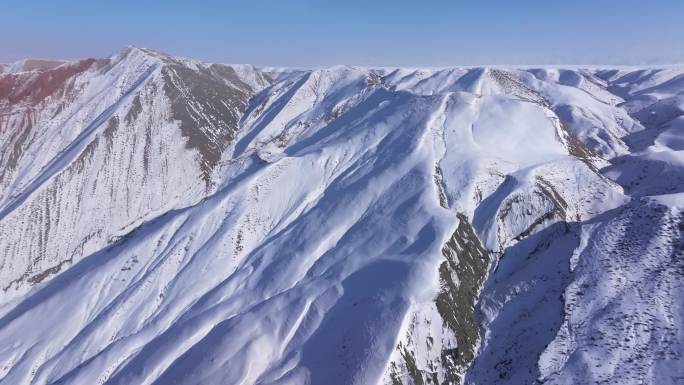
167, 221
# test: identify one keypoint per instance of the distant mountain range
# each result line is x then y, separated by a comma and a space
168, 221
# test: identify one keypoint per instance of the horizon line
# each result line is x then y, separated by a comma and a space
365, 66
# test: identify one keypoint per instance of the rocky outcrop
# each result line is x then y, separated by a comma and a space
444, 358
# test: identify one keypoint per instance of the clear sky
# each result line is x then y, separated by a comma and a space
372, 32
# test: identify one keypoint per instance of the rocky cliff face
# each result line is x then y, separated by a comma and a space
181, 222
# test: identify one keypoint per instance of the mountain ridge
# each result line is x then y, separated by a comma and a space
224, 224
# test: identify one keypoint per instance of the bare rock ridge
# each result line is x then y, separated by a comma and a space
193, 223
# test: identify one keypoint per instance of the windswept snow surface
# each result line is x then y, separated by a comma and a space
166, 221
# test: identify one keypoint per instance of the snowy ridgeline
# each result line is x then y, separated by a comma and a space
167, 221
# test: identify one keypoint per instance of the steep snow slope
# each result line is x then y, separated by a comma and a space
339, 226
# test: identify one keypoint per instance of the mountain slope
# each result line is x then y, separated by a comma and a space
110, 135
179, 222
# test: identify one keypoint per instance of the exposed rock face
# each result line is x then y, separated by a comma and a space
183, 222
461, 277
208, 104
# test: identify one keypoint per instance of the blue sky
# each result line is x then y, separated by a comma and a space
373, 32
